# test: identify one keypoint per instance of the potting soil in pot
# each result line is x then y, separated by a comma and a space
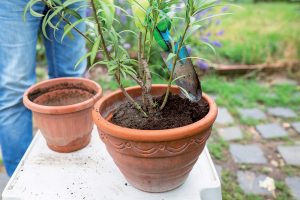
177, 112
62, 95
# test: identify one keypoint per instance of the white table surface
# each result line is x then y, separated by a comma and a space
91, 174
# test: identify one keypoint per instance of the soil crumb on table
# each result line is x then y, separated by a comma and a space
178, 112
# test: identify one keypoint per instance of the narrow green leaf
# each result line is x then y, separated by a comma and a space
44, 25
70, 2
179, 77
212, 16
210, 46
69, 34
129, 31
170, 56
69, 27
34, 13
94, 50
73, 13
191, 31
82, 59
58, 2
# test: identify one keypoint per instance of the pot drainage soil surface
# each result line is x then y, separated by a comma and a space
178, 112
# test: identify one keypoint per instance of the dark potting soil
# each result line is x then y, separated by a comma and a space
62, 94
177, 112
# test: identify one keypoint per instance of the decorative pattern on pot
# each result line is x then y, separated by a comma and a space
154, 149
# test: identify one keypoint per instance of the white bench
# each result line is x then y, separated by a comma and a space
91, 174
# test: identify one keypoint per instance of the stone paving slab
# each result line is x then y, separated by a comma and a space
252, 113
250, 183
249, 154
290, 154
230, 133
282, 112
296, 126
294, 184
3, 181
272, 130
224, 117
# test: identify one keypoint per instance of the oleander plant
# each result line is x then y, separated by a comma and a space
158, 27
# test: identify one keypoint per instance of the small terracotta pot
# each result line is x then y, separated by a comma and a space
152, 160
62, 111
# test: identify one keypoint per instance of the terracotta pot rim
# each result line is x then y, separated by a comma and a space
153, 135
62, 109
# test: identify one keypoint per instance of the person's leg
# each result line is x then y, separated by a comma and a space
17, 73
62, 56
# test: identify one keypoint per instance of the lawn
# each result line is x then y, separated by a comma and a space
240, 92
257, 33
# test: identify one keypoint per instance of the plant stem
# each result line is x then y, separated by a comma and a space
151, 33
137, 106
173, 69
147, 89
100, 32
140, 68
145, 39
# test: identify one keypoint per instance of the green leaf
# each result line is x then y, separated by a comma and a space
170, 56
185, 92
70, 2
34, 13
73, 13
57, 2
29, 6
191, 31
69, 34
82, 59
210, 46
177, 78
94, 50
44, 25
56, 27
123, 73
193, 57
69, 27
106, 13
211, 16
129, 31
103, 62
47, 19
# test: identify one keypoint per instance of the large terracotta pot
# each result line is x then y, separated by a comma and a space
152, 160
62, 111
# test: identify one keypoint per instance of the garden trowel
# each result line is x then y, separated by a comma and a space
185, 75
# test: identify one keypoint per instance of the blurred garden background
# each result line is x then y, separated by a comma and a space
253, 67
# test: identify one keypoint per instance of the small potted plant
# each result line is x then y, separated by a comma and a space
153, 133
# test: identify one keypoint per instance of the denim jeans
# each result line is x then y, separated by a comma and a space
18, 40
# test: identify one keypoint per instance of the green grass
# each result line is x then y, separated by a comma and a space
258, 32
216, 148
282, 191
231, 190
250, 93
290, 170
